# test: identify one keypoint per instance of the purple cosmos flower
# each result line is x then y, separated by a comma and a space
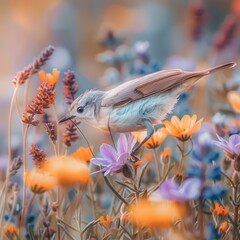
188, 190
230, 147
113, 160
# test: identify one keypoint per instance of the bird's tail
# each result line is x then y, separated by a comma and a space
218, 68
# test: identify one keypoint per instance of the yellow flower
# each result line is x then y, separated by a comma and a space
154, 141
234, 99
10, 229
39, 181
106, 221
67, 170
161, 214
184, 128
50, 78
83, 154
166, 153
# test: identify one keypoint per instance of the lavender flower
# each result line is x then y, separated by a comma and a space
113, 160
188, 190
230, 147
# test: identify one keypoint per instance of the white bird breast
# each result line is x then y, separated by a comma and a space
130, 117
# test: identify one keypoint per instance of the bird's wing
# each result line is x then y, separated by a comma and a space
158, 82
139, 88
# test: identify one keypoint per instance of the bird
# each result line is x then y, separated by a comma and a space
137, 104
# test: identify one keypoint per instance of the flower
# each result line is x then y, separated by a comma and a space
148, 156
16, 165
50, 78
67, 170
230, 147
212, 232
184, 128
83, 154
234, 99
114, 160
166, 153
10, 230
22, 76
220, 210
42, 59
223, 228
162, 214
154, 141
70, 87
40, 181
106, 220
215, 173
214, 193
190, 189
70, 133
38, 155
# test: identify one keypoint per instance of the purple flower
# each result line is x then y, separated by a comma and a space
113, 160
188, 190
230, 147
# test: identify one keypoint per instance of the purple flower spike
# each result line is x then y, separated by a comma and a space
113, 160
230, 147
188, 190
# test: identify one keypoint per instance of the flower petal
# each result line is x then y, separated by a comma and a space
108, 152
122, 144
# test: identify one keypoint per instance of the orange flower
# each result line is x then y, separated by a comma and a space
106, 221
83, 154
148, 156
166, 153
154, 141
50, 78
39, 181
67, 170
184, 128
10, 229
223, 228
234, 99
220, 210
161, 214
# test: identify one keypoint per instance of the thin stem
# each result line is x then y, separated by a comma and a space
235, 226
9, 156
94, 207
158, 164
25, 98
182, 158
24, 162
57, 126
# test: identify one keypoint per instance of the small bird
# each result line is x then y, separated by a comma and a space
137, 104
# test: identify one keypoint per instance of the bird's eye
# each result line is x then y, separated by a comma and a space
80, 109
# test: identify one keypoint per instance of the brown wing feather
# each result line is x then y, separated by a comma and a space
158, 82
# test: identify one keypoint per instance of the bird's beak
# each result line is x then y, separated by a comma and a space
64, 119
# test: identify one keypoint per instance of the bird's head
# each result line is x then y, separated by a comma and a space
84, 107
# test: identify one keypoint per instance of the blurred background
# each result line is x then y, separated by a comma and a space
186, 34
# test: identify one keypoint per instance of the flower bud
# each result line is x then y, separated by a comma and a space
236, 164
235, 178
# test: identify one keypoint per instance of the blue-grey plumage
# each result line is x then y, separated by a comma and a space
126, 107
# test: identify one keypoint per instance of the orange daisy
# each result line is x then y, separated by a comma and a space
234, 100
108, 220
67, 170
154, 141
39, 181
83, 154
161, 214
220, 210
184, 128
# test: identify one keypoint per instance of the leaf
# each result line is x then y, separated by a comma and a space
91, 224
66, 231
141, 173
127, 186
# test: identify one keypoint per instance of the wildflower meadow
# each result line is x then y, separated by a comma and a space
61, 180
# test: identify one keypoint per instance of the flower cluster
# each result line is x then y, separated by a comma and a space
38, 155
